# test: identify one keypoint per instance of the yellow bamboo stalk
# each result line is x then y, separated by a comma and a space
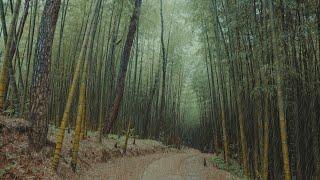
60, 135
80, 119
282, 118
265, 156
100, 129
83, 124
127, 137
283, 130
280, 97
225, 138
65, 117
244, 148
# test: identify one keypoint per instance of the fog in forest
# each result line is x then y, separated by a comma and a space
160, 89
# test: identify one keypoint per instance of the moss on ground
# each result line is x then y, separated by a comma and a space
234, 168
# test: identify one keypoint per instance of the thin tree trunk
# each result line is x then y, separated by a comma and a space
164, 70
112, 116
3, 22
29, 52
4, 78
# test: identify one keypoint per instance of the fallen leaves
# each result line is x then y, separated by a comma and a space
17, 161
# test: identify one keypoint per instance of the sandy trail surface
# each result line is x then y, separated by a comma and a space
186, 165
183, 166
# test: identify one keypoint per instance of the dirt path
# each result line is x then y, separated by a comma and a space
183, 166
126, 168
162, 166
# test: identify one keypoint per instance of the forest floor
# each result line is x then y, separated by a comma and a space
145, 160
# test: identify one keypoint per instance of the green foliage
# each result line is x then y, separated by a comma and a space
234, 168
113, 136
7, 168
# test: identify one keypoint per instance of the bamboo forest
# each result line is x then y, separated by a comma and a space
160, 89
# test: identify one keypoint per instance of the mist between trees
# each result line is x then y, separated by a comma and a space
239, 78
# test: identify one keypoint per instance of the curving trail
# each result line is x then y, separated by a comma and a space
163, 166
184, 166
